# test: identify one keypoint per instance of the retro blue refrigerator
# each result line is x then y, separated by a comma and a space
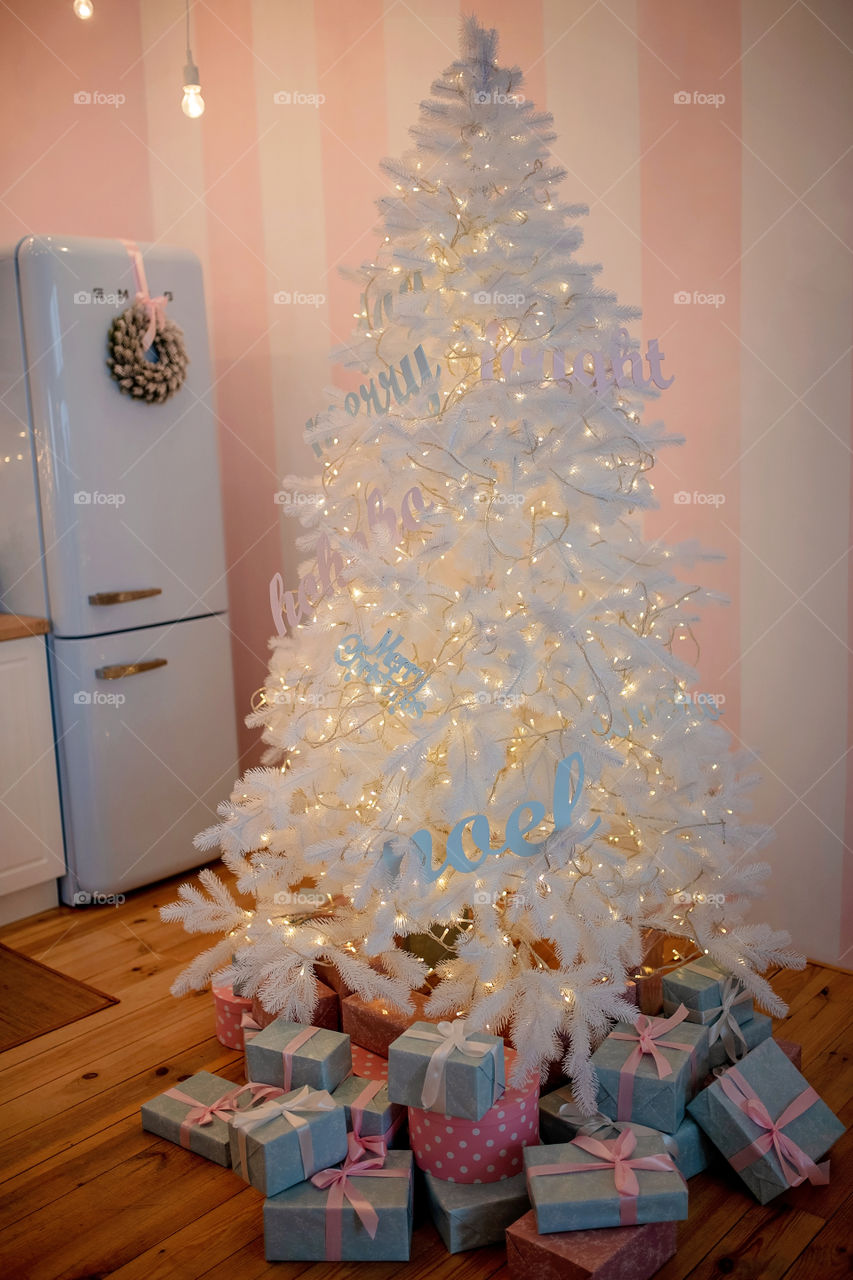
111, 526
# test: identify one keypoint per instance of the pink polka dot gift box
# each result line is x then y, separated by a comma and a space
485, 1150
229, 1011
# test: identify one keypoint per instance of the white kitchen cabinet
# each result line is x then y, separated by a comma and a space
31, 848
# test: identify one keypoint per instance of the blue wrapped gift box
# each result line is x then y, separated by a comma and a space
585, 1195
370, 1112
628, 1074
743, 1131
284, 1141
701, 987
195, 1113
315, 1223
289, 1055
561, 1120
471, 1215
429, 1070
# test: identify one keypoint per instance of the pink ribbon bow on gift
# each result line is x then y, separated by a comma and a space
648, 1036
204, 1113
376, 1143
449, 1036
612, 1154
155, 308
338, 1182
795, 1164
305, 1100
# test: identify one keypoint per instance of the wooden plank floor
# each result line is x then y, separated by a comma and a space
86, 1193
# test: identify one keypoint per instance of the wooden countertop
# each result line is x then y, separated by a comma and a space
14, 626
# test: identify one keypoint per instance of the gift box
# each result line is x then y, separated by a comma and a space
327, 1011
706, 991
446, 1069
600, 1182
647, 1073
469, 1216
768, 1122
287, 1139
490, 1149
228, 1010
358, 1212
793, 1052
648, 991
368, 1065
373, 1024
615, 1253
330, 977
289, 1054
725, 1049
561, 1120
369, 1112
195, 1113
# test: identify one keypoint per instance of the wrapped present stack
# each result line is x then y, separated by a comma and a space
337, 1136
468, 1131
325, 1147
702, 1084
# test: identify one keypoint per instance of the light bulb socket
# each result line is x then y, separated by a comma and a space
191, 76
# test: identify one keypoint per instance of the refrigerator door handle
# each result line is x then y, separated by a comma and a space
122, 669
122, 597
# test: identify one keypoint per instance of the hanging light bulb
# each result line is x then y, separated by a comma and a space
192, 103
83, 8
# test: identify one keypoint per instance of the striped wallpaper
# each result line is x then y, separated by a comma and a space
712, 141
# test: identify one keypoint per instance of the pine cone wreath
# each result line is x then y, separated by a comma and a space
151, 380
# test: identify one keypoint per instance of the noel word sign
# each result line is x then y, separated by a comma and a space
568, 786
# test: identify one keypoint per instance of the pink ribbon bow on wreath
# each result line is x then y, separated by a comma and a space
796, 1166
648, 1036
449, 1036
340, 1187
612, 1154
204, 1113
155, 308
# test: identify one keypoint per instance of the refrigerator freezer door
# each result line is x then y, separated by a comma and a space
147, 749
130, 497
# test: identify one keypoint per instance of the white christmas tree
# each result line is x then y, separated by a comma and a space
479, 719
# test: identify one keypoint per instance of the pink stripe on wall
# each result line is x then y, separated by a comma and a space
72, 168
354, 137
691, 230
521, 42
238, 288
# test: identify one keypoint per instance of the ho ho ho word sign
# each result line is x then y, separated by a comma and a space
301, 603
